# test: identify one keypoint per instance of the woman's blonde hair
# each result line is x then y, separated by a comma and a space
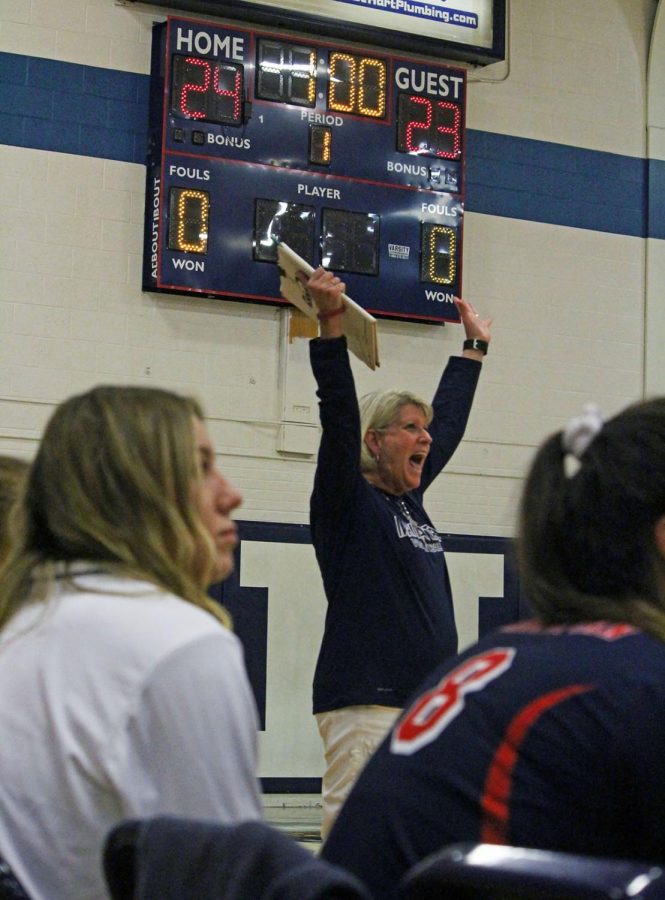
114, 481
379, 410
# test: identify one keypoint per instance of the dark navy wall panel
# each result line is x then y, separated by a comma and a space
656, 198
70, 108
249, 605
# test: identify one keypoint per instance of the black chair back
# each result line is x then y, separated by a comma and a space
490, 872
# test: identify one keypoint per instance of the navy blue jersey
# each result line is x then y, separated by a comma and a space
390, 615
552, 738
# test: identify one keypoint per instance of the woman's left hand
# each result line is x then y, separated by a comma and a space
475, 326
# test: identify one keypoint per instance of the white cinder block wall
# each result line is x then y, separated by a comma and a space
568, 302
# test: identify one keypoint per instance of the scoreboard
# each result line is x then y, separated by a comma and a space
354, 158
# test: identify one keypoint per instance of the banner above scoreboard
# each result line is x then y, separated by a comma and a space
468, 30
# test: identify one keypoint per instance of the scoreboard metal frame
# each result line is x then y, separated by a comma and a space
354, 158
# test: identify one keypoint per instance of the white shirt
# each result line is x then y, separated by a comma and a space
117, 700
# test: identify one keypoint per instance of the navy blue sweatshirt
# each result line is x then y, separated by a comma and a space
390, 615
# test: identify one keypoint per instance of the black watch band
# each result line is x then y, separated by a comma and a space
476, 344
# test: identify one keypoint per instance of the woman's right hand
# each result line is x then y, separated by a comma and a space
326, 290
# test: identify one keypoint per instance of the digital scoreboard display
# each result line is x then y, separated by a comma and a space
355, 159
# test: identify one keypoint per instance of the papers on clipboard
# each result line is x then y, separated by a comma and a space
359, 325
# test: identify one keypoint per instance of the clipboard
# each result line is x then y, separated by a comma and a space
359, 326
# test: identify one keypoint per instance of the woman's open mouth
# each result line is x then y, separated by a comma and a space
416, 460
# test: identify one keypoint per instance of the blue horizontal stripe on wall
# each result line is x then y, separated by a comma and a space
69, 108
50, 105
556, 184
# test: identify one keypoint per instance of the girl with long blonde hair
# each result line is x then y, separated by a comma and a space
122, 689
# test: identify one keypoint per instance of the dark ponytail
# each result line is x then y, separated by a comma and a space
586, 542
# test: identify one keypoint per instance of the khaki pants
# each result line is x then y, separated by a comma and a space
350, 736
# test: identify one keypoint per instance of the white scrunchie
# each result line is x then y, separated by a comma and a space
581, 430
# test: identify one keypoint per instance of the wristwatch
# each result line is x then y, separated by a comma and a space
476, 344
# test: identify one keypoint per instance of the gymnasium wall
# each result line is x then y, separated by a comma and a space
557, 226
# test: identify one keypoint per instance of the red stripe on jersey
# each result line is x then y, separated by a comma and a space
495, 801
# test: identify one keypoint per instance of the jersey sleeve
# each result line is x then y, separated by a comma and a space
191, 744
